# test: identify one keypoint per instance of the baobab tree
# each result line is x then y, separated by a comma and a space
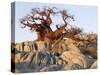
40, 20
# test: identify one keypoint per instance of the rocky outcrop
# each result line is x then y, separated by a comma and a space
94, 65
64, 54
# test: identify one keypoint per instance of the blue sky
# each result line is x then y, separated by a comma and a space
85, 18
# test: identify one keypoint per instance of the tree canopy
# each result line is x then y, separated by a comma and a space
40, 19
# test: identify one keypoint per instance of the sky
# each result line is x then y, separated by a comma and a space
86, 17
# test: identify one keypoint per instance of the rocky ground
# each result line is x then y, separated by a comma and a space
64, 54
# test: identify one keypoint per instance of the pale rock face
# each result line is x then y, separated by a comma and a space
94, 65
40, 45
70, 44
85, 36
59, 62
17, 46
73, 55
26, 47
22, 46
92, 37
31, 46
74, 58
16, 58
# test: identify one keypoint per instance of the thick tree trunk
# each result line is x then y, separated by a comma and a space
40, 36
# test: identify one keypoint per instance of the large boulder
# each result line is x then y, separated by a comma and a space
73, 54
74, 58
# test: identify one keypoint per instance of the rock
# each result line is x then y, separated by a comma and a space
26, 47
65, 54
73, 57
21, 46
85, 36
34, 61
80, 43
92, 50
92, 37
40, 45
27, 57
52, 68
15, 57
46, 58
89, 60
82, 49
94, 65
72, 54
31, 45
17, 46
59, 61
69, 43
72, 67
